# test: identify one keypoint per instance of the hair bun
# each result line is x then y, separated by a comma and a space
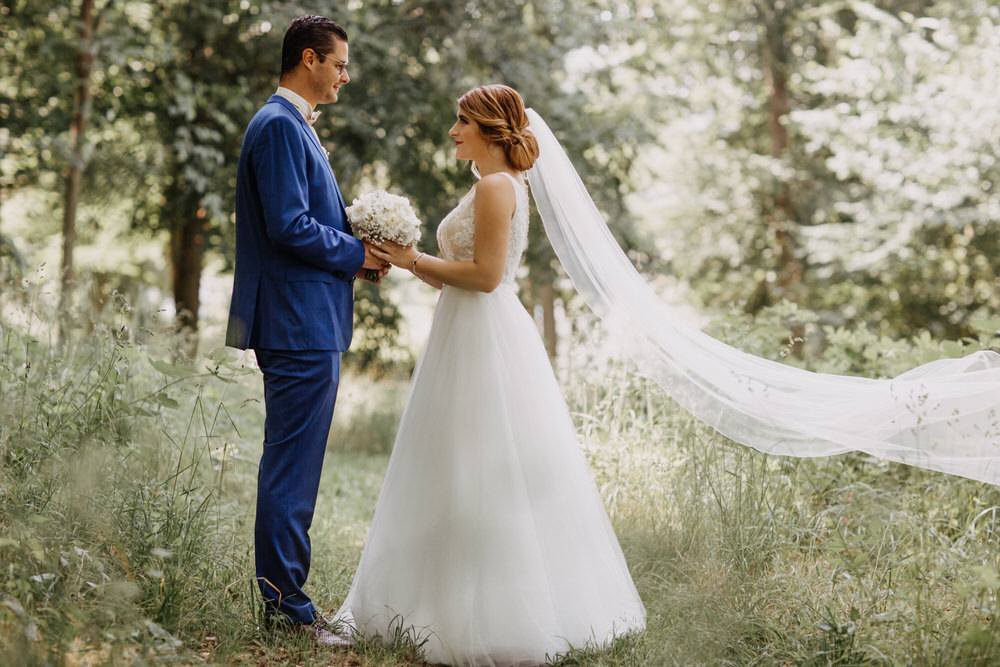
499, 112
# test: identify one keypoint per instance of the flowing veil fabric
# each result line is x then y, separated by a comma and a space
944, 415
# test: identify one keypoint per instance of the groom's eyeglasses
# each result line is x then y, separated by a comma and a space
341, 65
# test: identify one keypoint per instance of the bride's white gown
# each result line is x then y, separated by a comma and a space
489, 537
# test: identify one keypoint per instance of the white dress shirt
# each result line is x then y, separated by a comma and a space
299, 103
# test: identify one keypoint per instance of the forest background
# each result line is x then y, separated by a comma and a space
815, 182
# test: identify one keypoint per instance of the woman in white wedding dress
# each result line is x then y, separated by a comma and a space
489, 537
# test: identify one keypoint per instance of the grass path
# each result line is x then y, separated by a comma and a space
126, 510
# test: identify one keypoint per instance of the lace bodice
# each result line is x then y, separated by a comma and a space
456, 233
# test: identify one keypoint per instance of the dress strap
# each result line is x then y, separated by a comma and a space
518, 182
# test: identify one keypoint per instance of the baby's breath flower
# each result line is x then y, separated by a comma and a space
379, 216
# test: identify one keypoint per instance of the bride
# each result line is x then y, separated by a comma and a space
489, 537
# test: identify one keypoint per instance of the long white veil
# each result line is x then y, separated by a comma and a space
944, 415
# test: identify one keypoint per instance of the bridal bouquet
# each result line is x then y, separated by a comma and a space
378, 216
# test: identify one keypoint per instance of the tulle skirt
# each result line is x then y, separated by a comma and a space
490, 540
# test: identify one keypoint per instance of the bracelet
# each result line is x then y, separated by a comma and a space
413, 267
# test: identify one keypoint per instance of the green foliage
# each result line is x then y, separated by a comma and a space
376, 345
209, 69
890, 168
403, 643
430, 53
413, 60
176, 84
368, 412
743, 558
906, 146
116, 533
36, 102
126, 485
32, 32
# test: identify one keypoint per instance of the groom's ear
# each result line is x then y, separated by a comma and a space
309, 58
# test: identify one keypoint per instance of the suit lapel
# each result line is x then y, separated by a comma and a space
315, 141
302, 121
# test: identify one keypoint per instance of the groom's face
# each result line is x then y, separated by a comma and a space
330, 73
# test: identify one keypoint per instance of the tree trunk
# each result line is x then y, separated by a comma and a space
777, 107
71, 197
187, 246
782, 218
86, 56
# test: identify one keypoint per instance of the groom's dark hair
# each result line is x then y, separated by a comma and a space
308, 32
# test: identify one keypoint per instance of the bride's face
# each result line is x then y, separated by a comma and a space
470, 144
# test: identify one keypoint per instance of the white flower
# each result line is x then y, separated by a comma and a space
379, 216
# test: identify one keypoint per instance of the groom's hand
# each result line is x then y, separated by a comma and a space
374, 268
371, 261
373, 275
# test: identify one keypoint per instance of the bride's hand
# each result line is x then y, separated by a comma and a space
395, 254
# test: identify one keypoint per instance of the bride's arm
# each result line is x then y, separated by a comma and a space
430, 281
494, 208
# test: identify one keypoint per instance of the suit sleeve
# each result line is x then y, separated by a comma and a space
280, 164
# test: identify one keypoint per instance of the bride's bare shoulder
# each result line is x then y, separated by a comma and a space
495, 190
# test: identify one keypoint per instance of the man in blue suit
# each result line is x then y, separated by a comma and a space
293, 302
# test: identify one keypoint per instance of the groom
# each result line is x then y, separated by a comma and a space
293, 300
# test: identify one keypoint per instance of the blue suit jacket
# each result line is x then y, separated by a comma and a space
295, 254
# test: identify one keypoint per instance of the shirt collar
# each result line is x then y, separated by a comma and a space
299, 103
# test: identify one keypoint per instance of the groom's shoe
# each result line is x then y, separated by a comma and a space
323, 633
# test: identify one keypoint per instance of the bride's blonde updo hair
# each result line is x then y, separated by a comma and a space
499, 112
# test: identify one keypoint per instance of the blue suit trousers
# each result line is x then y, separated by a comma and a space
300, 389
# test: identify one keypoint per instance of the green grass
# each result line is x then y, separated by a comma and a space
126, 507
